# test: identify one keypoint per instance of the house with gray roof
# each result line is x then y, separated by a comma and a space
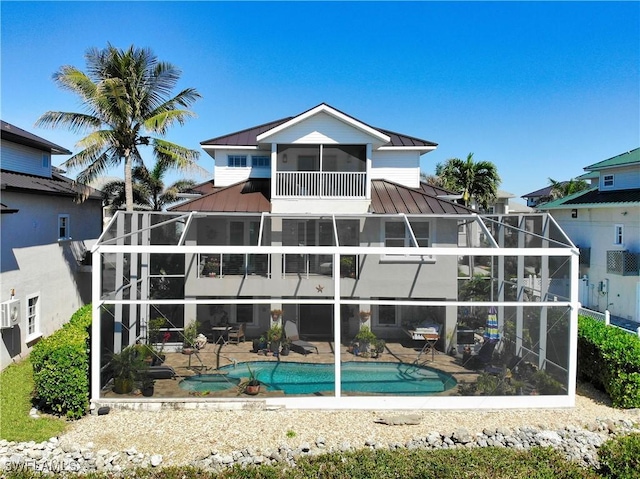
45, 232
604, 222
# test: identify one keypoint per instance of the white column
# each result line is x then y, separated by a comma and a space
96, 340
573, 329
368, 170
274, 169
337, 321
118, 285
133, 280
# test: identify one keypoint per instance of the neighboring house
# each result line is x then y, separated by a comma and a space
324, 217
604, 222
44, 236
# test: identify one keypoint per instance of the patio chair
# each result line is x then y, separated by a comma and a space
161, 372
297, 344
236, 334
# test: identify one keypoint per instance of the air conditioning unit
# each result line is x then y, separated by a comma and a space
10, 313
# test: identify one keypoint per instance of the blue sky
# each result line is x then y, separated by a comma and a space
542, 89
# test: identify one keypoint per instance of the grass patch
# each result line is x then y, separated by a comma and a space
16, 387
494, 463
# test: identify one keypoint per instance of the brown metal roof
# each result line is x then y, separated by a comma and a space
388, 197
250, 196
56, 185
248, 137
12, 133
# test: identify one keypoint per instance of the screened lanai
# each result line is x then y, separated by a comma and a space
385, 310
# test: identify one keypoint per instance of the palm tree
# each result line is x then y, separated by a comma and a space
477, 181
149, 192
560, 189
126, 95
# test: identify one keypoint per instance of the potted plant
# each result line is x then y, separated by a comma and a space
285, 347
379, 346
147, 386
365, 338
190, 334
364, 315
276, 314
211, 268
252, 385
126, 367
274, 335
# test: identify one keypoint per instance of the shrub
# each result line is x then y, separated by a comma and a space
609, 358
620, 457
61, 367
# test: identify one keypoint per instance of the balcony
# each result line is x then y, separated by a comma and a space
320, 184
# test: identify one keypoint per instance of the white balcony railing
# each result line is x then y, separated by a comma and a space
321, 184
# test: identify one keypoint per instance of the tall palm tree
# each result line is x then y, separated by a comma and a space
126, 95
560, 189
149, 192
477, 181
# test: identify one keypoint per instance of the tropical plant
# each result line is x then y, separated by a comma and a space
190, 334
560, 189
126, 95
149, 192
477, 181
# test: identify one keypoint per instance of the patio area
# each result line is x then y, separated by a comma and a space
207, 359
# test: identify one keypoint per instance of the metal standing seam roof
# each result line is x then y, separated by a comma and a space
249, 196
248, 137
18, 135
626, 158
56, 185
593, 197
253, 196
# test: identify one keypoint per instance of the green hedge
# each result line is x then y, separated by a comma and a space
61, 367
620, 457
609, 358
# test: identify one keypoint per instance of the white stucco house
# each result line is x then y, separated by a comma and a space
323, 218
44, 235
604, 222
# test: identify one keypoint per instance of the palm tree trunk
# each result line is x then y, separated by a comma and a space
128, 182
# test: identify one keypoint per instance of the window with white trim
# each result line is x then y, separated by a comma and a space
618, 234
33, 315
607, 181
260, 161
63, 227
397, 234
237, 161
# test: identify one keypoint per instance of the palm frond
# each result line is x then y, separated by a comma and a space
76, 122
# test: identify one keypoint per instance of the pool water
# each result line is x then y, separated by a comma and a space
363, 378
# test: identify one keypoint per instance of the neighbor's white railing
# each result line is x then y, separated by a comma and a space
332, 184
605, 318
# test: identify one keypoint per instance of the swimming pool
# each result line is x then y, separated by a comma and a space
358, 378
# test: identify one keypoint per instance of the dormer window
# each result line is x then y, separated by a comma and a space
607, 181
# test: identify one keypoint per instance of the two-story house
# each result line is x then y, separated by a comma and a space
321, 220
604, 221
44, 235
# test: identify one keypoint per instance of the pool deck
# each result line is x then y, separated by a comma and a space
205, 362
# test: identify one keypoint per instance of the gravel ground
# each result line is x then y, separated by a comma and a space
182, 436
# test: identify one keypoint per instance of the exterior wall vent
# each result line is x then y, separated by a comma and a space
623, 263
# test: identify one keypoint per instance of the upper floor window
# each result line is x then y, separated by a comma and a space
607, 181
63, 227
237, 160
397, 234
45, 160
260, 161
618, 234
